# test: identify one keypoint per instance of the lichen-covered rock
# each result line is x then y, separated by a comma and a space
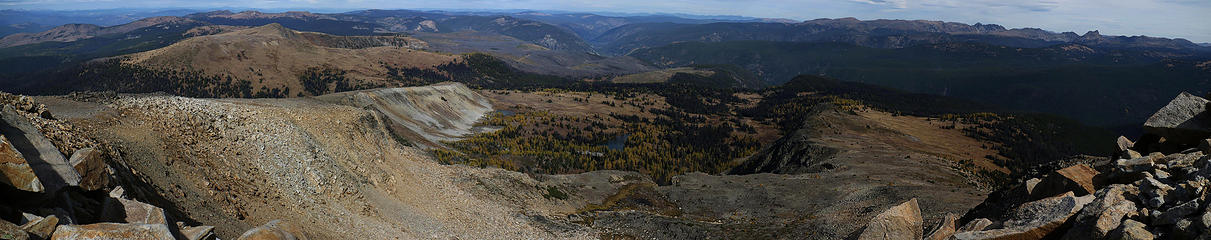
14, 170
1184, 119
1134, 165
1153, 193
10, 231
40, 226
1124, 144
1176, 213
1132, 230
113, 231
1104, 213
1183, 229
1179, 159
900, 222
90, 163
1034, 220
274, 230
945, 229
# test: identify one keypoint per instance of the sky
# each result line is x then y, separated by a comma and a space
1189, 19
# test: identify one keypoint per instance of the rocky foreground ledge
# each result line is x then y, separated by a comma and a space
1159, 195
57, 183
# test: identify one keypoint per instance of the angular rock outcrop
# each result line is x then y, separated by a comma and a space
274, 230
137, 212
113, 231
47, 162
90, 164
1077, 179
899, 222
1153, 193
40, 226
1184, 119
14, 170
1124, 144
1164, 194
1034, 220
1105, 213
1134, 165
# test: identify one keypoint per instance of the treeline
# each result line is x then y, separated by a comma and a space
541, 142
1032, 139
477, 70
113, 75
723, 76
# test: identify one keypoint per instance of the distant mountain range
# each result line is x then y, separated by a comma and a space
1025, 69
874, 33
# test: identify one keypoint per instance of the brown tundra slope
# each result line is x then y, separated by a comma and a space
273, 56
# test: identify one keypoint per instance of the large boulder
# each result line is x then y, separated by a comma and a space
277, 230
40, 226
1104, 213
1184, 120
900, 222
14, 170
48, 163
945, 229
132, 211
1034, 220
90, 163
1077, 179
113, 231
1124, 144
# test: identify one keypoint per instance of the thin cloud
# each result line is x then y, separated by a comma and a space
897, 4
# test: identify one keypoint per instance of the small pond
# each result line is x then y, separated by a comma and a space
619, 142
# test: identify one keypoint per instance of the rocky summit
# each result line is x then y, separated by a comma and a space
362, 120
1162, 194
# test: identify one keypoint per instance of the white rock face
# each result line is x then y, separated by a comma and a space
434, 113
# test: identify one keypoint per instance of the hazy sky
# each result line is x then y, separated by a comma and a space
1190, 19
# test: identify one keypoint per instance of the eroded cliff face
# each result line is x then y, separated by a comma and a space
428, 115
